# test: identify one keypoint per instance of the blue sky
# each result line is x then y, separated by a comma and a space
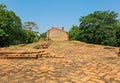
58, 13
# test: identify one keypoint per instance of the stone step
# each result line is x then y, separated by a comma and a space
20, 51
11, 56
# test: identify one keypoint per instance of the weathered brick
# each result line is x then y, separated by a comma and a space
85, 79
97, 80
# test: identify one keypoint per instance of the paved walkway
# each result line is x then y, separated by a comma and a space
79, 65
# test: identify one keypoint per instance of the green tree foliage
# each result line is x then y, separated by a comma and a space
74, 32
3, 38
11, 30
100, 27
10, 24
43, 35
30, 36
118, 34
31, 30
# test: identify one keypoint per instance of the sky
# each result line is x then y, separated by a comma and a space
58, 13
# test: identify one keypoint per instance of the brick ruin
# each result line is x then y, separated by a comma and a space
56, 34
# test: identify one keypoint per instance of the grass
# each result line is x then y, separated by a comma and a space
26, 46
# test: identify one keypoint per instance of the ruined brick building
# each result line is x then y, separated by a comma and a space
56, 34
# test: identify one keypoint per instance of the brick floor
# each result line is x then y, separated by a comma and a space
81, 64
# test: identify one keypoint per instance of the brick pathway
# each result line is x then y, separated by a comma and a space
81, 64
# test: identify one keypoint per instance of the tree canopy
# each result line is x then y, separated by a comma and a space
43, 35
10, 24
74, 32
30, 26
11, 30
99, 27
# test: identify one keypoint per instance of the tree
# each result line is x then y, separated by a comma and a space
2, 7
43, 35
118, 34
3, 38
12, 31
30, 26
99, 28
10, 24
74, 32
31, 29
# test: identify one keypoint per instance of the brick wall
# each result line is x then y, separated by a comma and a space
56, 34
